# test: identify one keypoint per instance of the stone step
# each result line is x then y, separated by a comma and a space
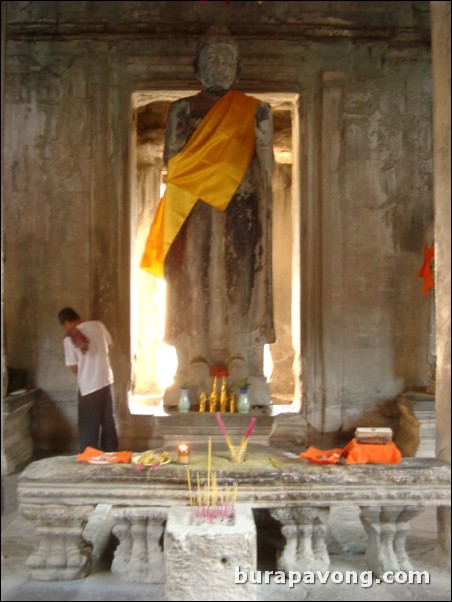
417, 428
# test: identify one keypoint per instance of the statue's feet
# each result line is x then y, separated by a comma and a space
237, 370
199, 378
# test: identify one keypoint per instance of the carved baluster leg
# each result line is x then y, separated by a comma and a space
388, 518
319, 546
304, 530
139, 560
61, 553
139, 556
305, 555
287, 559
312, 525
387, 529
370, 518
402, 530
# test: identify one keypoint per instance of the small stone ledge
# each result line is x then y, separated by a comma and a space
17, 441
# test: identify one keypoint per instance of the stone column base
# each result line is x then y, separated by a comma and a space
61, 553
201, 558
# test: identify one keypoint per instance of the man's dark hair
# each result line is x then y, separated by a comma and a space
67, 315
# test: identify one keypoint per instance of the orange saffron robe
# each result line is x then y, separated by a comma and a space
210, 167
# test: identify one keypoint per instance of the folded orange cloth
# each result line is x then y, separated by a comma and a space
98, 456
372, 453
355, 453
320, 456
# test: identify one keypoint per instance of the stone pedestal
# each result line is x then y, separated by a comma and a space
201, 558
17, 441
417, 429
196, 428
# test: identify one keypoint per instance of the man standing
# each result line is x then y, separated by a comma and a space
86, 351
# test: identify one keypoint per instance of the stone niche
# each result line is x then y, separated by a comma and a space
150, 356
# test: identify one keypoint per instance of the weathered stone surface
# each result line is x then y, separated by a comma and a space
62, 553
305, 531
139, 556
195, 427
200, 558
416, 481
416, 435
387, 529
358, 201
17, 442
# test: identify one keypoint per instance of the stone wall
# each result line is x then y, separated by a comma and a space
362, 73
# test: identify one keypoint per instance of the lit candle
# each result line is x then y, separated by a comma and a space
183, 454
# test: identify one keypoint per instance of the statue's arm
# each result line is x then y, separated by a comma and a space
264, 141
177, 129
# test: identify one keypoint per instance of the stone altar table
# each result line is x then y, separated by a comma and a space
60, 495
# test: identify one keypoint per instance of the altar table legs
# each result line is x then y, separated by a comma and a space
61, 553
387, 528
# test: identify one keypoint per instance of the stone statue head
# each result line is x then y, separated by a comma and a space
217, 58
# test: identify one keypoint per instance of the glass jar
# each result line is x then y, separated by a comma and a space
243, 405
184, 400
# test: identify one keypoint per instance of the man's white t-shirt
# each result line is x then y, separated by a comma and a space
93, 367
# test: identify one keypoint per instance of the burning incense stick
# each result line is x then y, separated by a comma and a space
249, 431
209, 463
189, 486
223, 430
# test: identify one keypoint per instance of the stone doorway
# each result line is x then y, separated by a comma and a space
153, 362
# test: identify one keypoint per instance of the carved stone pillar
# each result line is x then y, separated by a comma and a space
387, 528
61, 553
139, 555
305, 531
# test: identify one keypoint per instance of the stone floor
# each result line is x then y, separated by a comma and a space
346, 549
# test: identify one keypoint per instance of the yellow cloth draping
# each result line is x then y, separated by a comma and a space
210, 167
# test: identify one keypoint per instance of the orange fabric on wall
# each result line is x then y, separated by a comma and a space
426, 270
96, 455
355, 453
